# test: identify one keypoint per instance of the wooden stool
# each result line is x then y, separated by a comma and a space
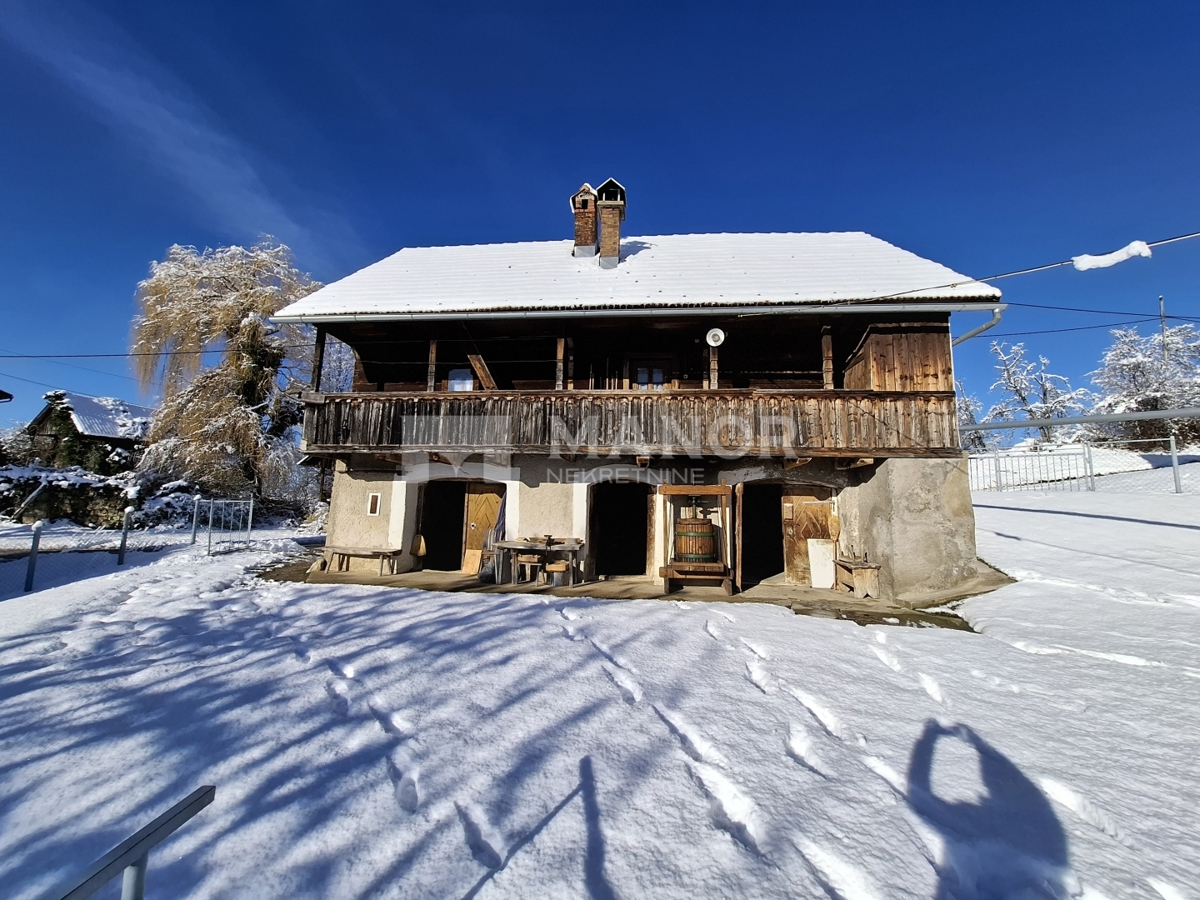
531, 563
552, 568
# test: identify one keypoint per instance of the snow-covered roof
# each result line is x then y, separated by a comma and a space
680, 272
108, 417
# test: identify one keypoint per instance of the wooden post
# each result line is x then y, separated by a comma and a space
827, 357
570, 365
482, 372
558, 367
713, 369
318, 361
431, 374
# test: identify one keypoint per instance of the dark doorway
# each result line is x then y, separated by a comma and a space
442, 511
762, 532
619, 524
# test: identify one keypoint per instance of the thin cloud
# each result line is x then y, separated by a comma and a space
160, 119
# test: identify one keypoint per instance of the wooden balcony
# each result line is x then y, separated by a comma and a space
725, 423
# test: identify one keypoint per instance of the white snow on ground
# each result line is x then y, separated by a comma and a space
387, 743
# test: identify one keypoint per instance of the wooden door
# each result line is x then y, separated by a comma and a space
482, 513
806, 514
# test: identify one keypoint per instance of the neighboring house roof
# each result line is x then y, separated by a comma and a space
682, 272
104, 417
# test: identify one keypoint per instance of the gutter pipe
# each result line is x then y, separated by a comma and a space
975, 332
593, 312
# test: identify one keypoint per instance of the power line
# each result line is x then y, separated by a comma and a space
1078, 328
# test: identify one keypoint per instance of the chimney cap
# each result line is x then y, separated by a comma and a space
585, 191
612, 191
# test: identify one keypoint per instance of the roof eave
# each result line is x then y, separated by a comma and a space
967, 304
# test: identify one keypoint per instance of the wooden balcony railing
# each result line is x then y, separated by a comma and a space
727, 423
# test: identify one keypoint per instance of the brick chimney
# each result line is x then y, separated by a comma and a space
583, 205
611, 200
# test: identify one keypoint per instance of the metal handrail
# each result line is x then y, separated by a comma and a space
133, 855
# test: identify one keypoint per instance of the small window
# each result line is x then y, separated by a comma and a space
373, 504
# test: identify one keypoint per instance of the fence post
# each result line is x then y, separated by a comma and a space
195, 516
133, 885
1091, 466
996, 460
249, 521
211, 504
1175, 465
124, 535
33, 552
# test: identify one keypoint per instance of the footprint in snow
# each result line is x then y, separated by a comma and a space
759, 677
799, 746
391, 722
567, 613
756, 649
405, 777
1083, 808
340, 669
828, 719
630, 690
694, 744
725, 615
339, 697
932, 688
838, 877
887, 659
483, 840
612, 656
730, 809
713, 631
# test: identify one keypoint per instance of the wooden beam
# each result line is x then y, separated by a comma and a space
318, 361
482, 372
827, 357
696, 490
558, 365
431, 374
714, 375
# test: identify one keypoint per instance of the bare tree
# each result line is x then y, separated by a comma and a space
1159, 371
227, 425
1029, 388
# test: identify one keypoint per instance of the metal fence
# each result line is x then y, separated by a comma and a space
43, 555
225, 524
1113, 466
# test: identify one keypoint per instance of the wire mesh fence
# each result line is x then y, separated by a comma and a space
1134, 466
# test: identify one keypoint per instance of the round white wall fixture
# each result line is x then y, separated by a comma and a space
715, 337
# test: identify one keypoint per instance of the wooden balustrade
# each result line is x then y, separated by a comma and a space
728, 423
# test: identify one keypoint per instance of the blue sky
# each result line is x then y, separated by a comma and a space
989, 138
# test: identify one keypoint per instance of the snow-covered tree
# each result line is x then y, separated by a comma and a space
1031, 390
969, 410
1136, 375
227, 426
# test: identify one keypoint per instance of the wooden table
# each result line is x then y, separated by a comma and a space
569, 546
340, 556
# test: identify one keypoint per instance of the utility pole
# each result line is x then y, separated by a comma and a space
1162, 324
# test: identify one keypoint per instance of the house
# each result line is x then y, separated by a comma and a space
742, 406
101, 434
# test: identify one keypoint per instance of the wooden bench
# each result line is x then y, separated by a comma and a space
858, 578
340, 557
